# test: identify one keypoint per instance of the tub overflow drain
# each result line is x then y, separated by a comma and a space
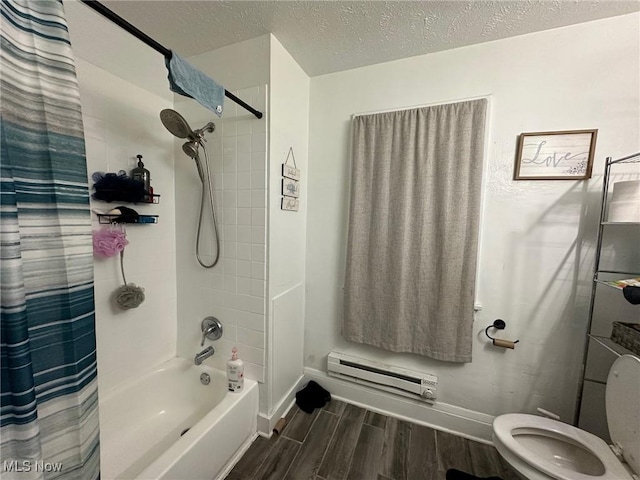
205, 378
185, 431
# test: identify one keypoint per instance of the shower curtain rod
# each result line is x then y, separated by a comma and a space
121, 22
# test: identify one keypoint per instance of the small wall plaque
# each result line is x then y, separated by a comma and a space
290, 172
290, 183
289, 203
290, 187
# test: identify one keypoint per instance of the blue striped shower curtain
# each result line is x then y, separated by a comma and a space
49, 410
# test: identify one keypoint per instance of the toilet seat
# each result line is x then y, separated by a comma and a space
506, 426
545, 449
623, 408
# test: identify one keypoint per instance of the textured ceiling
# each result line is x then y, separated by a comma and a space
330, 36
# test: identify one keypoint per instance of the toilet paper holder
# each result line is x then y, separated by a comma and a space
500, 324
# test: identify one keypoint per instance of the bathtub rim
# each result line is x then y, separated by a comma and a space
161, 465
167, 364
173, 454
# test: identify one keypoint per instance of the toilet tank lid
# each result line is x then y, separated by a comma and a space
623, 407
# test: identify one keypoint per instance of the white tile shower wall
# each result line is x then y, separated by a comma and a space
120, 121
233, 290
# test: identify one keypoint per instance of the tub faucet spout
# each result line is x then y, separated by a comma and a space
203, 355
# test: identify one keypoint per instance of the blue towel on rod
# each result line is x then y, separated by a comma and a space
187, 80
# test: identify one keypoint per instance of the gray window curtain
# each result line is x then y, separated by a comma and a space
413, 229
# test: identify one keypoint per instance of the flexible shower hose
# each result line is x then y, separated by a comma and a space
213, 211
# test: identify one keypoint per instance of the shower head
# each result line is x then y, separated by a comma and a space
192, 150
176, 124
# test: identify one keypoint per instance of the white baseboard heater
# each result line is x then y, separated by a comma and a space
397, 380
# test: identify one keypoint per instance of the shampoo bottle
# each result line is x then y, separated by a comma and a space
142, 175
235, 372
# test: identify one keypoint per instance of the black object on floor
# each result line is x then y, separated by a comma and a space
311, 397
632, 294
458, 475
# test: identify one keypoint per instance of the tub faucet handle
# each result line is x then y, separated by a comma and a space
205, 333
211, 329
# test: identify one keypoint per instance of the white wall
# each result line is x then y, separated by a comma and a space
104, 44
234, 290
231, 290
121, 97
237, 66
537, 237
289, 128
121, 121
119, 115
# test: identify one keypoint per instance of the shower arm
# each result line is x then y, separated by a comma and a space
140, 35
209, 127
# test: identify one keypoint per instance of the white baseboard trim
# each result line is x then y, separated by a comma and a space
267, 422
439, 416
236, 457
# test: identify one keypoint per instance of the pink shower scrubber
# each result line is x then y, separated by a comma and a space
109, 242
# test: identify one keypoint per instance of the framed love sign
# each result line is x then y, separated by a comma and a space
566, 155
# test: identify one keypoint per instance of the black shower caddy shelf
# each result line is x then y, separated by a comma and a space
151, 198
107, 219
126, 194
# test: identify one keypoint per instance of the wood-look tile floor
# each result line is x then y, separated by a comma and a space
345, 442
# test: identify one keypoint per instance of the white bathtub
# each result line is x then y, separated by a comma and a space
141, 422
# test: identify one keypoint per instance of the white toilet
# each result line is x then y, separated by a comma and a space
543, 449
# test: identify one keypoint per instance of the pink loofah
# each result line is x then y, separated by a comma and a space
108, 242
